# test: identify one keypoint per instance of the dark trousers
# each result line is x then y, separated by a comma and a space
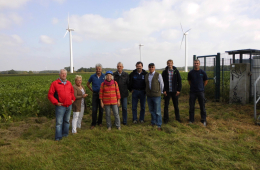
95, 106
175, 104
193, 97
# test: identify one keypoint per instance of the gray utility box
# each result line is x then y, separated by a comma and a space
239, 83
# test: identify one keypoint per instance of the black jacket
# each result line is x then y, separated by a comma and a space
176, 80
131, 78
123, 83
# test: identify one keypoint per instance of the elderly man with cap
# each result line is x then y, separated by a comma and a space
154, 89
109, 96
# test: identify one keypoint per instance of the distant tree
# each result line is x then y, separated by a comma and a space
30, 72
12, 72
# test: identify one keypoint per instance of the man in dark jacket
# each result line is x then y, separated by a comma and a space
122, 79
172, 89
61, 94
137, 87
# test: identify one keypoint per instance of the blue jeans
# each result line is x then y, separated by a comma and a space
124, 109
154, 104
62, 121
138, 94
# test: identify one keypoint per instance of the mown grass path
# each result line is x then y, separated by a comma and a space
230, 141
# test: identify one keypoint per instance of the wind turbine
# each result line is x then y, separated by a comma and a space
140, 46
71, 55
186, 47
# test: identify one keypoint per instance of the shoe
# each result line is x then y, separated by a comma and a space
119, 128
92, 127
141, 121
109, 128
205, 123
124, 123
178, 120
134, 121
190, 122
159, 129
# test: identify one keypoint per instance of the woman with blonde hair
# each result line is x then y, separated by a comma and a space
79, 105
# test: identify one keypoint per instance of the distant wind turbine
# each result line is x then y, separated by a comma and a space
186, 47
71, 55
140, 46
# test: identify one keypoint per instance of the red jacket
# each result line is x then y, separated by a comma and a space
61, 93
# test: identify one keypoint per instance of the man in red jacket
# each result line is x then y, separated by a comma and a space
61, 94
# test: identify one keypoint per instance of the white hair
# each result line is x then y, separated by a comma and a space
111, 75
61, 70
98, 65
120, 63
78, 77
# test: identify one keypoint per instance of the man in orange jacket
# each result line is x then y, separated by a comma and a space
61, 94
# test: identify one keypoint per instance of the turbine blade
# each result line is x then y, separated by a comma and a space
68, 20
182, 40
181, 28
188, 30
65, 33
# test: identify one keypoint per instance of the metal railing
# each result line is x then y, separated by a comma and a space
255, 102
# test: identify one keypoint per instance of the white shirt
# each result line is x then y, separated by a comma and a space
160, 79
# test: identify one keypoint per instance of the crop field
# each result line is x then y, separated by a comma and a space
27, 127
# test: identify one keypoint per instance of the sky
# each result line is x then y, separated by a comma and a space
110, 31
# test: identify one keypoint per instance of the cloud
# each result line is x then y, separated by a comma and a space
60, 1
7, 20
46, 40
12, 3
55, 21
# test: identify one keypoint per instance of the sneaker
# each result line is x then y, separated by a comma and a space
159, 129
205, 123
109, 128
134, 121
190, 122
119, 128
141, 121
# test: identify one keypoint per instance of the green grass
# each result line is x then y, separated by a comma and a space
230, 141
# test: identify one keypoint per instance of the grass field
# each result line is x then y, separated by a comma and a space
231, 140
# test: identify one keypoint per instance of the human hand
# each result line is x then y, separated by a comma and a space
72, 101
59, 104
85, 95
102, 104
165, 94
177, 93
118, 103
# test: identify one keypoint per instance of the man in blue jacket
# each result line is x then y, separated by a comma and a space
172, 88
198, 80
96, 80
137, 87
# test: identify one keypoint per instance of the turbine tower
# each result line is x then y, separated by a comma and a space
140, 46
186, 47
71, 55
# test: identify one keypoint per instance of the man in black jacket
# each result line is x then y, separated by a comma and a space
137, 87
172, 89
122, 79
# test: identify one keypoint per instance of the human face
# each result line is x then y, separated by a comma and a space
139, 68
98, 70
78, 81
196, 65
151, 69
63, 75
170, 64
108, 77
120, 68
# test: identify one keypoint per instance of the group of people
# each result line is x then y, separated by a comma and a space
110, 90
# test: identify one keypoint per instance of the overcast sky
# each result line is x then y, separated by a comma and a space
109, 31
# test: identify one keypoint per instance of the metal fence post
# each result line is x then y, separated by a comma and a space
217, 90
